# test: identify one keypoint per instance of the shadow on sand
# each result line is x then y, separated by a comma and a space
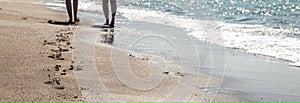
60, 22
101, 26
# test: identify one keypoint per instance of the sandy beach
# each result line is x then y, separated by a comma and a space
37, 62
27, 73
45, 62
160, 40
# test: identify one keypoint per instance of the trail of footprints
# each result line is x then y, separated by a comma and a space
62, 44
173, 73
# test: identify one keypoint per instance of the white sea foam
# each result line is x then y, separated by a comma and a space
82, 5
257, 39
55, 4
197, 28
263, 40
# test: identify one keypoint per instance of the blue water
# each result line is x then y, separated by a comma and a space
268, 12
282, 13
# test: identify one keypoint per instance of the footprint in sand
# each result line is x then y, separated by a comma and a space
63, 73
57, 67
176, 74
78, 69
50, 43
59, 87
130, 55
56, 81
71, 67
48, 82
57, 56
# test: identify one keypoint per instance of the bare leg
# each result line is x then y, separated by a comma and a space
113, 4
69, 10
75, 6
106, 11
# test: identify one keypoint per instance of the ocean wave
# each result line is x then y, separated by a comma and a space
264, 40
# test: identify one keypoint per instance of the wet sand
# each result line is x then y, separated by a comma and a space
108, 73
167, 83
36, 58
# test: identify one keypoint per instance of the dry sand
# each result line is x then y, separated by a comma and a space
27, 73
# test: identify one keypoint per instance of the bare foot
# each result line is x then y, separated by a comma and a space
106, 22
71, 22
112, 23
77, 20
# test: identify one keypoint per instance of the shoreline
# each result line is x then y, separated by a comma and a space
240, 66
88, 63
234, 67
100, 81
167, 22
